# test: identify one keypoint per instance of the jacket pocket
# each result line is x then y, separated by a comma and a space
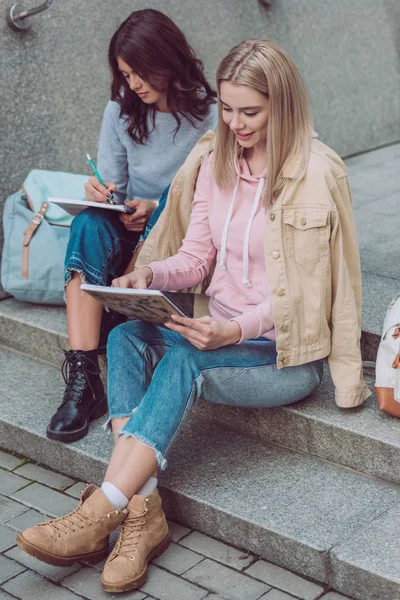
306, 232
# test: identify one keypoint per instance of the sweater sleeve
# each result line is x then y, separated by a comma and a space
196, 255
256, 321
112, 161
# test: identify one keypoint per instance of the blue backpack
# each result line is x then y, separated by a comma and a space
36, 236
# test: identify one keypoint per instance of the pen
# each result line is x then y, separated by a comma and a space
97, 175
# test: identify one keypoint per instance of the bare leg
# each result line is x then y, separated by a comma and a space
131, 465
116, 425
83, 317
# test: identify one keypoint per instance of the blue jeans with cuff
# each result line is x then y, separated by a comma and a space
155, 376
99, 246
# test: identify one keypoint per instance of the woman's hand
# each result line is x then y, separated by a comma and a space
95, 192
139, 279
206, 333
138, 220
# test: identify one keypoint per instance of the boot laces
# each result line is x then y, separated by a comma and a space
130, 533
72, 521
75, 374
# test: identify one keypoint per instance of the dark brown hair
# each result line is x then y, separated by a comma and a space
156, 49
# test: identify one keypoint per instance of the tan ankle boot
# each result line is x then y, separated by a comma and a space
144, 535
82, 535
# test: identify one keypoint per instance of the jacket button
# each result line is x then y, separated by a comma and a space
303, 222
285, 328
275, 254
285, 360
272, 216
280, 292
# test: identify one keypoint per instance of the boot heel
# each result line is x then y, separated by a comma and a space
160, 549
99, 409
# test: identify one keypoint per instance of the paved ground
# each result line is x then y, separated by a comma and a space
195, 567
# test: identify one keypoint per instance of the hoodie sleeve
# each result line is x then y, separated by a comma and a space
196, 255
256, 321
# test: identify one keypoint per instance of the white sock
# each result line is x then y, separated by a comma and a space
114, 495
148, 487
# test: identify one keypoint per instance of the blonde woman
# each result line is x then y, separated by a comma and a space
272, 212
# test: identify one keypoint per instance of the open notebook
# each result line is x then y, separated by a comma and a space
148, 305
74, 207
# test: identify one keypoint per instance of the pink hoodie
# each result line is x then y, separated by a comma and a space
228, 224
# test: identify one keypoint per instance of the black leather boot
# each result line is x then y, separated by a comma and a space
84, 398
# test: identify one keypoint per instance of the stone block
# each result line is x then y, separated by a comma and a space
45, 476
10, 509
56, 574
9, 461
29, 518
75, 490
177, 531
10, 483
366, 565
29, 586
7, 538
276, 595
225, 581
165, 586
334, 596
46, 500
87, 583
284, 580
8, 569
177, 559
218, 551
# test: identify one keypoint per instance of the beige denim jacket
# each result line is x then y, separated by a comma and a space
312, 261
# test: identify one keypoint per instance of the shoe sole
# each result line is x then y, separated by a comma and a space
132, 584
98, 410
60, 561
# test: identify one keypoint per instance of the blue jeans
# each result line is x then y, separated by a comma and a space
156, 375
99, 246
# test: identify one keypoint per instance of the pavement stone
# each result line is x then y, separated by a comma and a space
10, 483
177, 531
45, 476
30, 518
334, 596
286, 581
222, 580
29, 586
178, 559
217, 550
76, 489
7, 538
56, 574
8, 569
87, 583
277, 595
4, 596
9, 461
46, 500
165, 586
10, 509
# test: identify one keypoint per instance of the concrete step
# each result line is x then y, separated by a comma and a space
309, 515
364, 439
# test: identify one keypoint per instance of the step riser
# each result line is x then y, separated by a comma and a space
297, 432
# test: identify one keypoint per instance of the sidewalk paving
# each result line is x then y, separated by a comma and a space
195, 566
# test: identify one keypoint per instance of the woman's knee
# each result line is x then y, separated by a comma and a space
89, 220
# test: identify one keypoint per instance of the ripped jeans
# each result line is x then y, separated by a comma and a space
155, 376
99, 246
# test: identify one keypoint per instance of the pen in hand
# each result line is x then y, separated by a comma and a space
97, 175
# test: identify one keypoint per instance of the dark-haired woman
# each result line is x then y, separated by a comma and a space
161, 104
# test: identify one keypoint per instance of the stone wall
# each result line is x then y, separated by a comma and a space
55, 80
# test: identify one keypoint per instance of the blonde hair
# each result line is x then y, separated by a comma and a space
264, 66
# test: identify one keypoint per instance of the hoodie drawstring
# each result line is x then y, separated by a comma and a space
246, 243
222, 265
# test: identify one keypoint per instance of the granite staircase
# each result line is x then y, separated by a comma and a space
309, 487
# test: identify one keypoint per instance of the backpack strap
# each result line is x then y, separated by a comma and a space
28, 235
